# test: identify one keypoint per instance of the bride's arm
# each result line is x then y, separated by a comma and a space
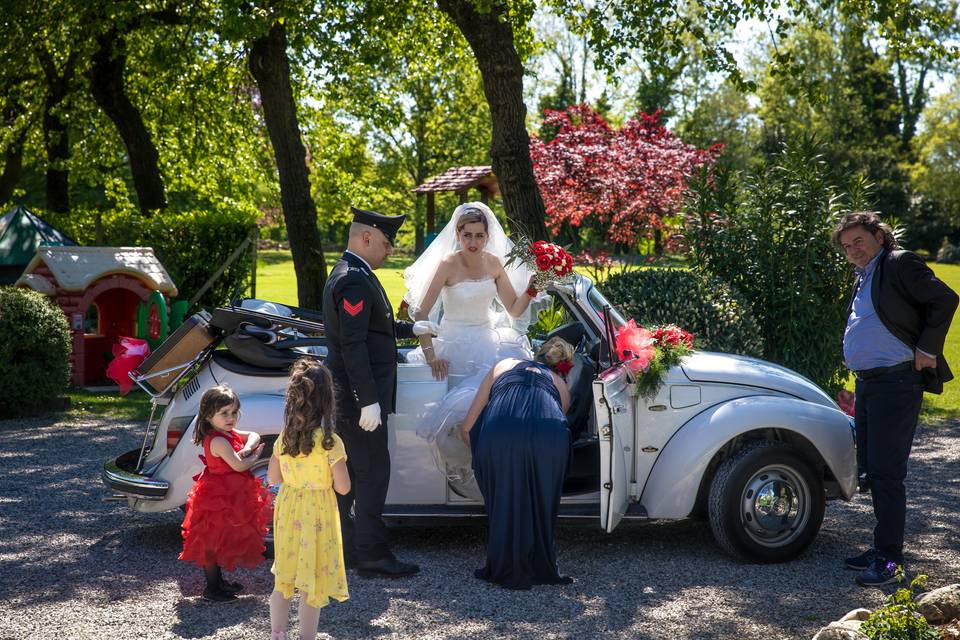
423, 313
514, 304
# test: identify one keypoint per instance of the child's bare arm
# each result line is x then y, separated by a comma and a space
222, 449
341, 478
274, 474
252, 440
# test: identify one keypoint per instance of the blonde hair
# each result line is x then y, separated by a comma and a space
308, 407
554, 351
470, 216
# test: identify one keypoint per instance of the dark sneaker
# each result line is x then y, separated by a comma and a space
881, 572
218, 596
861, 562
231, 587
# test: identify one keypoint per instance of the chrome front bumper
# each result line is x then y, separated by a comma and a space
118, 474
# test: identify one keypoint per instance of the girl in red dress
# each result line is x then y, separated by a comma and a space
227, 509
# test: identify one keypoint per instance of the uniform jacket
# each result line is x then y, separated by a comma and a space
361, 336
916, 307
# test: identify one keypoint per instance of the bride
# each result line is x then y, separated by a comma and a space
460, 282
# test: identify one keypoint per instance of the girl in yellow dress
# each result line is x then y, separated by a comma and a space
310, 462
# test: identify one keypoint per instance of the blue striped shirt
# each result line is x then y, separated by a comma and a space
867, 343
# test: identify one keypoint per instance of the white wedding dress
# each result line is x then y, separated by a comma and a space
474, 335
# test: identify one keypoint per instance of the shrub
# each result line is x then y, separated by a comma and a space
899, 619
192, 246
34, 350
949, 254
704, 306
767, 234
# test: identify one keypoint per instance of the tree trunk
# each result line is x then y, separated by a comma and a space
270, 67
911, 104
490, 36
106, 85
13, 160
55, 139
58, 153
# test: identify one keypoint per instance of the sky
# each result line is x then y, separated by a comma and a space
748, 37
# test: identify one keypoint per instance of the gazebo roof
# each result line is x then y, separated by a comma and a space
76, 267
460, 179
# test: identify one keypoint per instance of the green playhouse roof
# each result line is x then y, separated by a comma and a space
21, 232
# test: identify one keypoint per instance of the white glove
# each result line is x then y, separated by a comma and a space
423, 327
370, 417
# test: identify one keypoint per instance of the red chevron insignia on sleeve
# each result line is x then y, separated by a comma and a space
353, 308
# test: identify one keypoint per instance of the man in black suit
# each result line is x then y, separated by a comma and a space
897, 324
361, 338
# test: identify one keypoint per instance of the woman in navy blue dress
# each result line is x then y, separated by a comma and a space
521, 446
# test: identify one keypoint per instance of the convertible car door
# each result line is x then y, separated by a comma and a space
615, 411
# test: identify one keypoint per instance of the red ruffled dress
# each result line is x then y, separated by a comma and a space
227, 513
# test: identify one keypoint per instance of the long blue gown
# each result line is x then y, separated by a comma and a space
521, 447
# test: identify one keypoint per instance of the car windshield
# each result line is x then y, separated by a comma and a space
598, 302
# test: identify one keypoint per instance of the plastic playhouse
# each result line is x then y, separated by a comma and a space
106, 293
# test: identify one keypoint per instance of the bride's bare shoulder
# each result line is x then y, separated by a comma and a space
491, 263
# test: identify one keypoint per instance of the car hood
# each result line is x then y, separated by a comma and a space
704, 366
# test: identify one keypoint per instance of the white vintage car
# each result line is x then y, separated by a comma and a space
754, 447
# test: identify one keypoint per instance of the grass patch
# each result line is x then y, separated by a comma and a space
277, 282
946, 406
133, 407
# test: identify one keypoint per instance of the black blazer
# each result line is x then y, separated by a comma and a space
916, 307
361, 337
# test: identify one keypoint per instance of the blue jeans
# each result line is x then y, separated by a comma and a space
886, 411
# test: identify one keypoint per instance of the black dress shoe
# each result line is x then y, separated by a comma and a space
231, 587
217, 596
386, 567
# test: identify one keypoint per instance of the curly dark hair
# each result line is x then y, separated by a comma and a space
309, 406
213, 400
869, 220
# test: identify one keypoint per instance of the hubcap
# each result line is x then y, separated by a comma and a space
775, 505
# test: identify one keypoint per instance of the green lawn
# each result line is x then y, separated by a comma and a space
947, 405
276, 282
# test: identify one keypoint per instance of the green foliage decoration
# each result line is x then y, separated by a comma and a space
702, 305
34, 349
548, 319
899, 619
767, 234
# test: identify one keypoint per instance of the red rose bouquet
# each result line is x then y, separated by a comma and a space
649, 354
550, 263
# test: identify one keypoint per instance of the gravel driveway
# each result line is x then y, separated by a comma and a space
73, 566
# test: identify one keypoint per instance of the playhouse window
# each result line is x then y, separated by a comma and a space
91, 322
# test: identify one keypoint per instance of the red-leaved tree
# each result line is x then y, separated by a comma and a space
621, 183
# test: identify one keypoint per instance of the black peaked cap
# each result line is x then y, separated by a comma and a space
389, 225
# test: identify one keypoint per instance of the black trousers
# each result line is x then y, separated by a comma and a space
886, 411
368, 462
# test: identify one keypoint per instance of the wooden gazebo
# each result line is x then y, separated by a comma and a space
458, 180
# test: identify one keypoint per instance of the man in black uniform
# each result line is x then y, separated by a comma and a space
362, 356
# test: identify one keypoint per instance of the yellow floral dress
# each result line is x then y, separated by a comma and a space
308, 550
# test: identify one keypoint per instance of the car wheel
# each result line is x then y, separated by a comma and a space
766, 503
259, 472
